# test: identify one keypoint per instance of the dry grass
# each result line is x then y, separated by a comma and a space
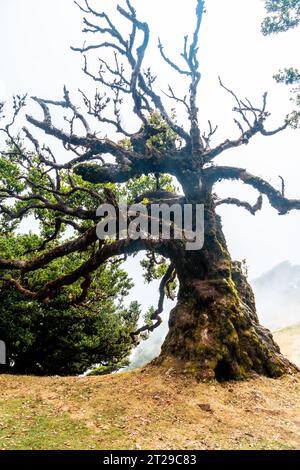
148, 409
151, 409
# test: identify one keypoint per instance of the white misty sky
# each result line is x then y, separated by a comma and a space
36, 58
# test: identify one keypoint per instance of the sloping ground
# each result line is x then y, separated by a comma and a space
148, 409
289, 341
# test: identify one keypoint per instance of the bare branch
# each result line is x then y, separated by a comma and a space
156, 314
170, 62
275, 197
191, 60
79, 244
255, 125
94, 145
137, 86
282, 185
207, 137
105, 252
107, 173
236, 202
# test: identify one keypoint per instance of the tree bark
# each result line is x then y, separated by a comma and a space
214, 331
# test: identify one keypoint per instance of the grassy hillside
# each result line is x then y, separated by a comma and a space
151, 409
148, 409
289, 341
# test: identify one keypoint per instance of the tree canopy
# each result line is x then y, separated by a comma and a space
63, 336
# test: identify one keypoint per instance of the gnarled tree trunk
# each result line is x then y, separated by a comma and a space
214, 329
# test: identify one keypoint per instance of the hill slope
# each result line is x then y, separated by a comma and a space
289, 341
150, 409
277, 295
146, 409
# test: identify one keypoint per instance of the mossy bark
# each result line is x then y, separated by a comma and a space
214, 330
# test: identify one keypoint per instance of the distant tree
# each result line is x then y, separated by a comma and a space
214, 330
284, 15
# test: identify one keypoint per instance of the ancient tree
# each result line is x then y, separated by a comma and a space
214, 330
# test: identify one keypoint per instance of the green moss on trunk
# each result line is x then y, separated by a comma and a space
214, 329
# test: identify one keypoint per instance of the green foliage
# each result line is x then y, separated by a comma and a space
126, 143
285, 15
10, 174
282, 16
137, 186
291, 76
147, 317
26, 177
164, 140
59, 337
154, 268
